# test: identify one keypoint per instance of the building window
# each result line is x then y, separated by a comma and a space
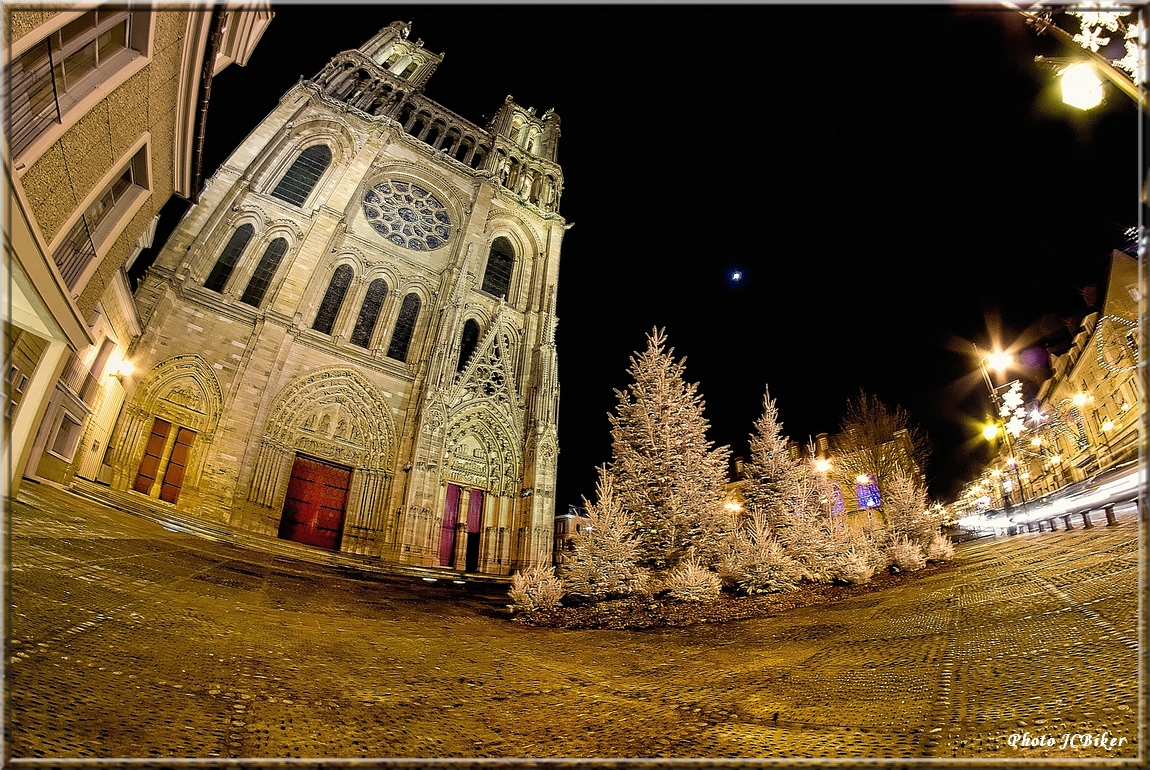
332, 300
369, 313
265, 270
467, 343
404, 327
868, 494
78, 249
497, 275
305, 171
837, 504
53, 75
67, 436
228, 258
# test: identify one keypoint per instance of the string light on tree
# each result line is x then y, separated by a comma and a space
1012, 410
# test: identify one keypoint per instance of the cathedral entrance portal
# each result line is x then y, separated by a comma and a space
447, 541
316, 500
158, 448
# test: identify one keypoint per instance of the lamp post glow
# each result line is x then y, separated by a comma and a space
1081, 88
999, 361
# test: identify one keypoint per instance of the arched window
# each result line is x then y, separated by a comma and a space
265, 270
467, 343
369, 313
305, 171
404, 327
332, 299
497, 275
228, 258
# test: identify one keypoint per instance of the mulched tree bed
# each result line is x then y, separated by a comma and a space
642, 612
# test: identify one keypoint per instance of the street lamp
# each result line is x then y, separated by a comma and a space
1008, 406
1081, 88
1084, 88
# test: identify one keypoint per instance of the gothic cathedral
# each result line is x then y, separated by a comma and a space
349, 341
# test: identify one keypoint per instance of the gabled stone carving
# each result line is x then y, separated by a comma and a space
184, 390
335, 413
489, 375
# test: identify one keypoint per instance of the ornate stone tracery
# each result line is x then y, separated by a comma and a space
335, 414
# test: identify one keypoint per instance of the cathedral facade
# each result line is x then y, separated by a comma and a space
349, 341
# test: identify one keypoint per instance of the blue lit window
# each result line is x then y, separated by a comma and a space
868, 494
837, 504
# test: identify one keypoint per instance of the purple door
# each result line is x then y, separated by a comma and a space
447, 536
474, 519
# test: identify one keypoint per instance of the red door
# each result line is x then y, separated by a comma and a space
174, 475
314, 508
150, 462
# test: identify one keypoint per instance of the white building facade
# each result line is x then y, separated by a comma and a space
349, 341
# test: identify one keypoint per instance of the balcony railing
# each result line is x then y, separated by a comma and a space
33, 100
75, 253
80, 380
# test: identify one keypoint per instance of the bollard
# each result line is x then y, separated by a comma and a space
1086, 519
1053, 524
1029, 526
1066, 520
1110, 520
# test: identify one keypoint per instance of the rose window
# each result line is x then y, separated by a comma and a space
407, 215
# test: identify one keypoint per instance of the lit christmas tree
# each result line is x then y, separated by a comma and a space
668, 477
777, 484
607, 551
906, 510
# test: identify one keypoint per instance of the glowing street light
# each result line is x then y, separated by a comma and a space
989, 431
999, 361
1081, 88
822, 466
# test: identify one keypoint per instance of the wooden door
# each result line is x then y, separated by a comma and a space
150, 463
447, 534
474, 520
174, 475
316, 499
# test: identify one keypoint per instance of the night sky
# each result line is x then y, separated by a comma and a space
895, 183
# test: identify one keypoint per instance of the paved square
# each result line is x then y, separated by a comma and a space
129, 640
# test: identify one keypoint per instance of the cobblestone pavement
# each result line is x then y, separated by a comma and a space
129, 640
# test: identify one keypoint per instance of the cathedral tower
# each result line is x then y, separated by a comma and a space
350, 340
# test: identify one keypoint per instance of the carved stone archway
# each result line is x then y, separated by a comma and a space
182, 390
334, 414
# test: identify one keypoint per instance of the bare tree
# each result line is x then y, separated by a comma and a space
879, 442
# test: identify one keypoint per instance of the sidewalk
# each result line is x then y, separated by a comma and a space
176, 522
